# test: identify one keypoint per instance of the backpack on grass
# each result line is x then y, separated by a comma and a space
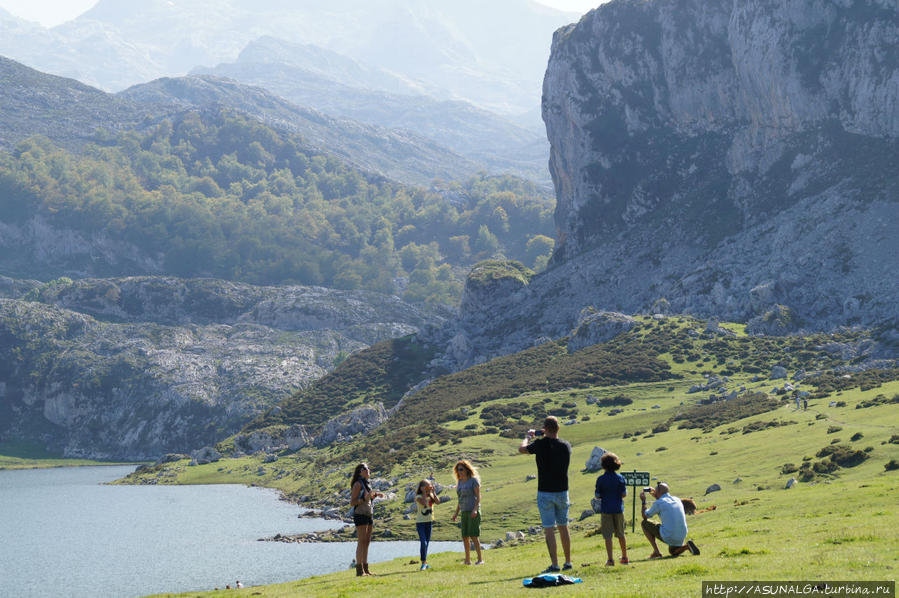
548, 580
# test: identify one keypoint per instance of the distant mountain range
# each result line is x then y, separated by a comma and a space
397, 154
464, 76
62, 109
492, 54
70, 113
313, 77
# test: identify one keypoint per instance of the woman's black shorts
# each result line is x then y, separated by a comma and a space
363, 520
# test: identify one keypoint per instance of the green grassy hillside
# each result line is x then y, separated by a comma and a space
837, 522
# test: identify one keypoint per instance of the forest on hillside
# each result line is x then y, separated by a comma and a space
218, 194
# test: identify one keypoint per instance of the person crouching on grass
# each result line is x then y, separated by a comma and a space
611, 490
468, 491
673, 529
425, 499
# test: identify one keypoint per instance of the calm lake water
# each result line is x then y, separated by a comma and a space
65, 534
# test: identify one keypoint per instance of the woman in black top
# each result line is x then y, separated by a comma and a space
361, 496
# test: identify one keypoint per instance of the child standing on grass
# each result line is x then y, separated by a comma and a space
611, 490
425, 499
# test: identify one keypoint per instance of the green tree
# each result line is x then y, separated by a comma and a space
539, 248
486, 243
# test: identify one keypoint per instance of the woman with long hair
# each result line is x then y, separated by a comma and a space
468, 490
361, 496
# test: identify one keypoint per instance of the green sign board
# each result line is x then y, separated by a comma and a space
635, 478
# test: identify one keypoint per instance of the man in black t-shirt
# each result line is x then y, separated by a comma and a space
553, 456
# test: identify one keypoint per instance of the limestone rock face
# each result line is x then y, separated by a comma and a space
727, 157
285, 438
715, 116
362, 419
594, 328
133, 368
175, 301
491, 285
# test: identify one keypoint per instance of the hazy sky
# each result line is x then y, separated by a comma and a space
54, 12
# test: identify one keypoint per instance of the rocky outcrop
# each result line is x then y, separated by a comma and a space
11, 288
594, 462
345, 426
176, 301
39, 247
491, 285
272, 439
340, 428
727, 158
205, 455
777, 321
156, 365
598, 327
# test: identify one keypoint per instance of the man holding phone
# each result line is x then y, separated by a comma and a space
553, 456
673, 529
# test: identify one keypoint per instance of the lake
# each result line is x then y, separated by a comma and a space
64, 533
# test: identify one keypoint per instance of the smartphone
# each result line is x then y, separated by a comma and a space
538, 433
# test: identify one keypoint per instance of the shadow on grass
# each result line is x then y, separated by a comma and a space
312, 581
480, 583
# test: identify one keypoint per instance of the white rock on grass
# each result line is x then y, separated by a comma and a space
594, 462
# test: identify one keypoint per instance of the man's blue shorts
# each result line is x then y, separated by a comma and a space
553, 508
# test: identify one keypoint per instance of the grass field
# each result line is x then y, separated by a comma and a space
844, 530
842, 525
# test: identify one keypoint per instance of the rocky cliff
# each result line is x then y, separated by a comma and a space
736, 159
133, 368
714, 118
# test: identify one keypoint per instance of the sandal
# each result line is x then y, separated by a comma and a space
624, 561
610, 563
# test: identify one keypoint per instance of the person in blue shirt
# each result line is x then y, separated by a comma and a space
611, 490
673, 528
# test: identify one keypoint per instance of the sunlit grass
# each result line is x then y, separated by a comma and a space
842, 526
